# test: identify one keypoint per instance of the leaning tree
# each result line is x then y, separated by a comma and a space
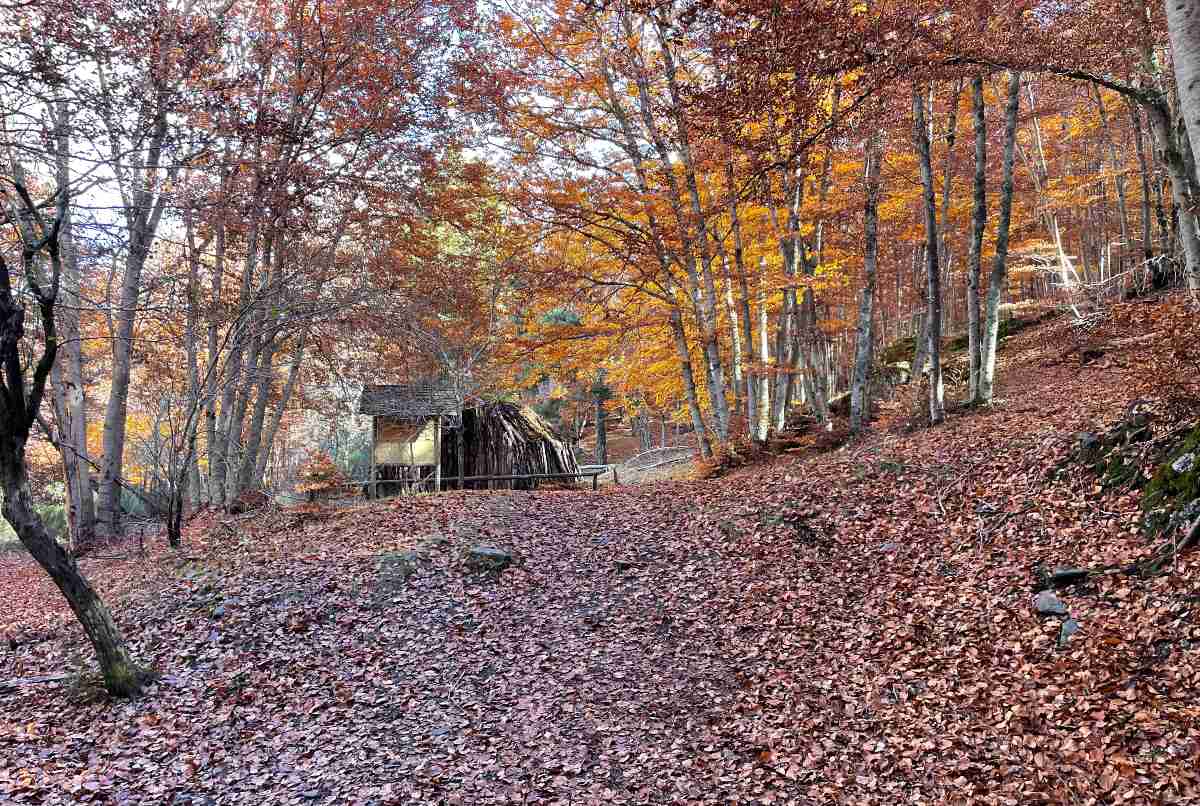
37, 279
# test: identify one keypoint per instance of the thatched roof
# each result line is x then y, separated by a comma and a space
425, 399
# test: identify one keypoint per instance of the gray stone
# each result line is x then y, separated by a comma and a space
488, 558
1068, 628
1184, 463
397, 566
889, 548
1047, 603
1088, 446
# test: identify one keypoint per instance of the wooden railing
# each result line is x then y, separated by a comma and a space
582, 474
593, 472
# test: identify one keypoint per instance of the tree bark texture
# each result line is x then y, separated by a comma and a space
860, 389
933, 276
978, 228
999, 274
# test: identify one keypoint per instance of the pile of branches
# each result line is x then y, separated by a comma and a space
505, 439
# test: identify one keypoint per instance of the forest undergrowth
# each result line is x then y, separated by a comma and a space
856, 626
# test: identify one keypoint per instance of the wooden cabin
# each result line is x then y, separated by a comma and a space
408, 427
415, 433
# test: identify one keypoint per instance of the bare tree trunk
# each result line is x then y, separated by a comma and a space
143, 191
220, 451
213, 380
787, 347
689, 383
115, 413
948, 176
691, 227
740, 378
933, 275
860, 388
601, 427
262, 395
746, 319
978, 227
718, 398
121, 677
784, 346
657, 240
1181, 184
1135, 115
67, 387
1118, 174
289, 387
999, 275
1183, 23
765, 385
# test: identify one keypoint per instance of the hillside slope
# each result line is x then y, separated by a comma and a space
854, 627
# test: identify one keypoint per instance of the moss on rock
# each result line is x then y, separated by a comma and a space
1175, 485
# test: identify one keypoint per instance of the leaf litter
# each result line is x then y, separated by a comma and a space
852, 627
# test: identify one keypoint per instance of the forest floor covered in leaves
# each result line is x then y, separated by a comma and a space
852, 627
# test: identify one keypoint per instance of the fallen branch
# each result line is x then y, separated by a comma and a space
18, 682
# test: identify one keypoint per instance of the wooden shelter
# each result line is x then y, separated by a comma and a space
408, 422
507, 445
419, 432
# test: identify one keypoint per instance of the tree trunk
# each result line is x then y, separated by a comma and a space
860, 388
718, 398
121, 677
765, 385
1144, 171
1181, 184
999, 275
689, 383
1118, 176
601, 430
948, 177
262, 396
978, 227
746, 320
67, 387
933, 275
112, 463
20, 403
219, 448
289, 387
1183, 23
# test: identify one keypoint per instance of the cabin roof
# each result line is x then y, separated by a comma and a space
422, 399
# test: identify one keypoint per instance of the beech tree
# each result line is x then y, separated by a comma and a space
1183, 21
999, 274
860, 401
933, 321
